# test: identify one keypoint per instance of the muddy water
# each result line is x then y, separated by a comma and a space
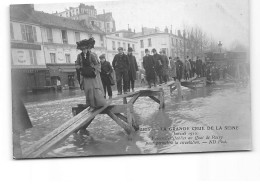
214, 106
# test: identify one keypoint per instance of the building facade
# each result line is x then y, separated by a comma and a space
113, 42
43, 47
153, 38
104, 21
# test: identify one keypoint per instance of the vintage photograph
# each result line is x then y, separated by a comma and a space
130, 78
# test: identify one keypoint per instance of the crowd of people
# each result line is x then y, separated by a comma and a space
96, 75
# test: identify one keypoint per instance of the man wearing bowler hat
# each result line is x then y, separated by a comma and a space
132, 69
121, 66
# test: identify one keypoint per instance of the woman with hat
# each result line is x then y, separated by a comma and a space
88, 65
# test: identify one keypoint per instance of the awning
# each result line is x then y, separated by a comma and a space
68, 70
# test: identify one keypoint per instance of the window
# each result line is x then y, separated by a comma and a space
142, 43
149, 42
133, 46
113, 45
49, 35
12, 31
33, 58
77, 36
64, 36
53, 57
142, 54
67, 56
108, 26
118, 44
124, 46
117, 34
101, 38
128, 45
92, 23
172, 42
28, 33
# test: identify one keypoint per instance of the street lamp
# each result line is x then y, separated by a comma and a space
219, 45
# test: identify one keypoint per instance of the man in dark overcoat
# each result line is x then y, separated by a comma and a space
149, 66
165, 65
198, 66
132, 69
121, 66
158, 65
179, 68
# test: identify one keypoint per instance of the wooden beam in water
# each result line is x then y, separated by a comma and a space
55, 137
122, 124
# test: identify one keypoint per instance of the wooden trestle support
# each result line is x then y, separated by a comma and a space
122, 114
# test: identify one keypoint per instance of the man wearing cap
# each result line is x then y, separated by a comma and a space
132, 69
179, 68
105, 74
158, 65
149, 66
121, 66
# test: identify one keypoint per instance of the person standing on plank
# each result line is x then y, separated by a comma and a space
106, 71
121, 66
149, 66
88, 64
132, 69
158, 65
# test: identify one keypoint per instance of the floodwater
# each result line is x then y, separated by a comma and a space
224, 108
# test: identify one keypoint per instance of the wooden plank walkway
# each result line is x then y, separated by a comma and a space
121, 114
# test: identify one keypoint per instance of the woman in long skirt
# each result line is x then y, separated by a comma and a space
90, 68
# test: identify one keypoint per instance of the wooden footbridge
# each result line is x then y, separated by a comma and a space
122, 114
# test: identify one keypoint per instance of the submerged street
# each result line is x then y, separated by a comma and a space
223, 105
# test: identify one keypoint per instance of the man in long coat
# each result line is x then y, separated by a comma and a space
121, 66
158, 65
179, 68
198, 66
149, 66
132, 69
165, 65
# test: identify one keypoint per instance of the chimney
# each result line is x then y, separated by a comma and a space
166, 30
179, 33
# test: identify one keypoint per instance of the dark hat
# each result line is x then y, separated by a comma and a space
120, 48
86, 44
102, 56
146, 50
130, 49
153, 50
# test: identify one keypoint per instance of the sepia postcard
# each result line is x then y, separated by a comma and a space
130, 78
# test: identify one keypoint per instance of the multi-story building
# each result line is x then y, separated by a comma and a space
119, 39
104, 21
43, 46
27, 55
154, 38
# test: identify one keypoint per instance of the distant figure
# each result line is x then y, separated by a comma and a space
121, 66
106, 71
133, 68
179, 68
142, 78
173, 68
150, 68
165, 66
187, 68
158, 65
198, 66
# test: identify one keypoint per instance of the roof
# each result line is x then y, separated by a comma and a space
140, 34
49, 20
